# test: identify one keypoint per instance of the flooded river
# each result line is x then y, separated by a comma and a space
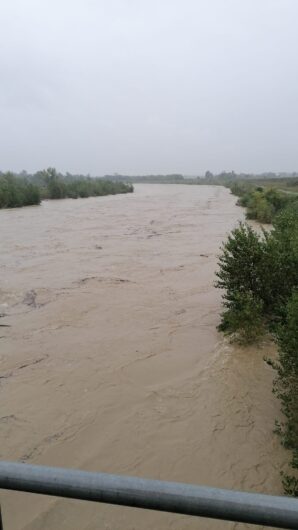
112, 362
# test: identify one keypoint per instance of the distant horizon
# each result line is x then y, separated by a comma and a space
160, 174
149, 87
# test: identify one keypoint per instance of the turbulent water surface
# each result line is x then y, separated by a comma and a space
112, 362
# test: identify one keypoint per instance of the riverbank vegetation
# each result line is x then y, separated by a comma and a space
17, 191
259, 275
25, 190
286, 181
263, 203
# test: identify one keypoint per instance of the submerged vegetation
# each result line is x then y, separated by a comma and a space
25, 190
259, 274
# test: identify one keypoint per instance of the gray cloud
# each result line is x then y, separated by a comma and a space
139, 86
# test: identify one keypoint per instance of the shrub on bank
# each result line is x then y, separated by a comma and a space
56, 186
285, 387
259, 275
262, 204
16, 192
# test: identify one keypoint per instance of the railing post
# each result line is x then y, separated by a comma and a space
1, 523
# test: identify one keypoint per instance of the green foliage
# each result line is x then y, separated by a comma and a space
262, 204
244, 318
259, 207
239, 274
239, 262
286, 382
281, 262
285, 386
239, 188
17, 191
59, 187
265, 266
290, 484
56, 188
48, 184
259, 275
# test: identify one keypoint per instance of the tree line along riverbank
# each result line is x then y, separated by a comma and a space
262, 201
259, 276
26, 190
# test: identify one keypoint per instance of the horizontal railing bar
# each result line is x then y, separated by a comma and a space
187, 499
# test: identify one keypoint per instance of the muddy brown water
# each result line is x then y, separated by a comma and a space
112, 362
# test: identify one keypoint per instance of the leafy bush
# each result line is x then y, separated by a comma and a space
17, 191
48, 184
290, 484
286, 383
244, 318
57, 186
285, 387
260, 277
239, 266
262, 204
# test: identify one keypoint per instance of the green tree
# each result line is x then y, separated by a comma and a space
244, 318
239, 275
241, 255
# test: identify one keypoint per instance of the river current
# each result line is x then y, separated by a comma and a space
110, 357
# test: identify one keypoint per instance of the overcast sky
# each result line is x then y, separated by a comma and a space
149, 86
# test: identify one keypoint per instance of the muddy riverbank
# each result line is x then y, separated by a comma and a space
112, 361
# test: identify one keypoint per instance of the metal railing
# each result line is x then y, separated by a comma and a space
187, 499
